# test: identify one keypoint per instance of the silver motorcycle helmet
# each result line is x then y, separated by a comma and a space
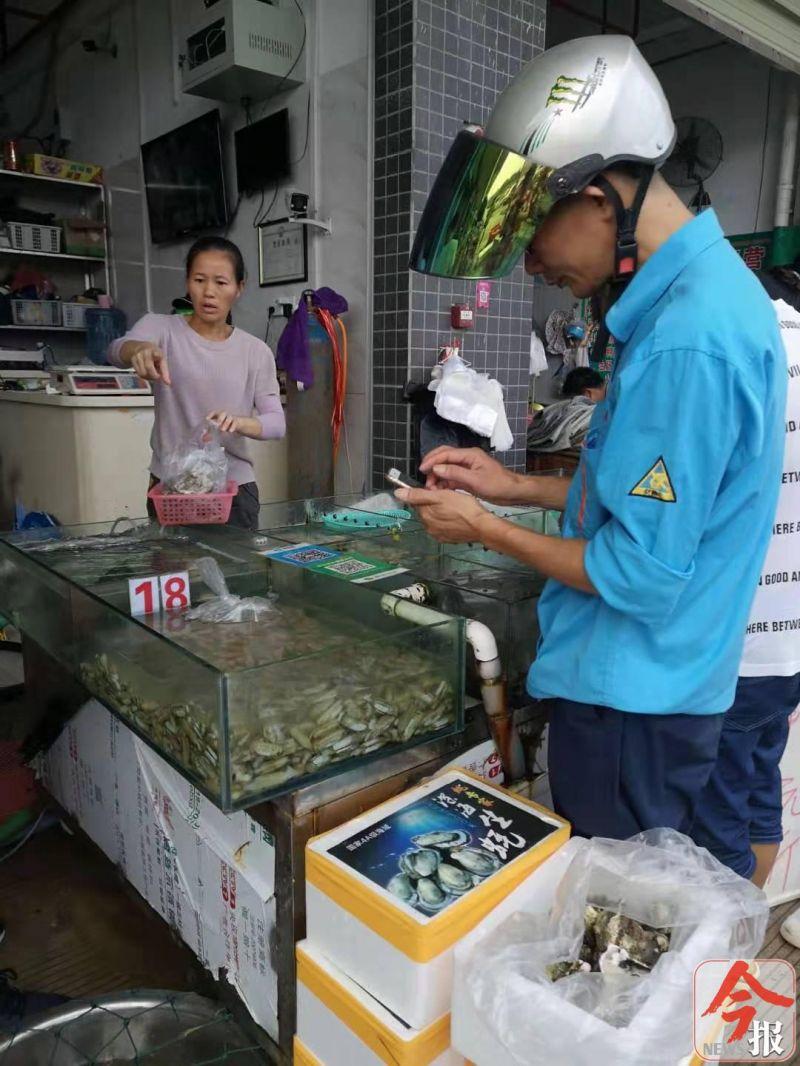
571, 113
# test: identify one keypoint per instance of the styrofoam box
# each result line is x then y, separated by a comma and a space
535, 895
401, 953
342, 1025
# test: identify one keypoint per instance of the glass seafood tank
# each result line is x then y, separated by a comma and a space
322, 681
464, 580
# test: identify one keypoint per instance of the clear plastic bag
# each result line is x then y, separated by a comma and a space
225, 607
471, 399
660, 878
199, 466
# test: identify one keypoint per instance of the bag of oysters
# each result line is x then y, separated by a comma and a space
199, 465
606, 975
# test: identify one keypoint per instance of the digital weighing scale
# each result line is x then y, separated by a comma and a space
98, 381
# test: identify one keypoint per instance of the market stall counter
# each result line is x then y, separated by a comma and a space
315, 710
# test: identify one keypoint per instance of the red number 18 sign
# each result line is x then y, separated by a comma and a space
169, 592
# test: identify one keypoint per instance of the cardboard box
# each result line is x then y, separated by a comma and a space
50, 166
210, 875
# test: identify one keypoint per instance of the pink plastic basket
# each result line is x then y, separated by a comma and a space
193, 509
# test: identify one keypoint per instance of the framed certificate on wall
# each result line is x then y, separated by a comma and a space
282, 252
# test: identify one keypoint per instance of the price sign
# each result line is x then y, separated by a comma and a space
168, 592
144, 595
175, 591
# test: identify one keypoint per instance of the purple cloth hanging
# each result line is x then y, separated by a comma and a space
293, 353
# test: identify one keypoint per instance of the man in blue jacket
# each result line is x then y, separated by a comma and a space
668, 517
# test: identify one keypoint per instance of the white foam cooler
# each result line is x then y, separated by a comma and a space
400, 950
342, 1025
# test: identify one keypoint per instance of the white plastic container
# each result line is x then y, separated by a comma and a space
73, 315
536, 895
401, 950
342, 1025
36, 312
32, 237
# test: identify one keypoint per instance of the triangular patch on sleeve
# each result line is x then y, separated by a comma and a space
656, 484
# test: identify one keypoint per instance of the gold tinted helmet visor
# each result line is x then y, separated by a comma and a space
485, 206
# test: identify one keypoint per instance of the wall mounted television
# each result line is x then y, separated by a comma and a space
185, 180
262, 153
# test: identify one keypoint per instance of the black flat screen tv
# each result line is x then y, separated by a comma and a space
185, 181
262, 153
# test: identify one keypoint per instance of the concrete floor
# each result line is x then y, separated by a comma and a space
74, 927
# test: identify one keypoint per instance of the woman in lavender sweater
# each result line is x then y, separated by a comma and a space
201, 368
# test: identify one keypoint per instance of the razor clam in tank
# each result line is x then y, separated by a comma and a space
324, 681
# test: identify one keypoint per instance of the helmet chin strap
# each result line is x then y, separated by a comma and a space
626, 253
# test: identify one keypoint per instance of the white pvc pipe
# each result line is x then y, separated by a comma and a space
481, 640
784, 198
395, 604
416, 593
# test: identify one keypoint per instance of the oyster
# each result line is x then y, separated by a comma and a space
423, 863
616, 960
604, 929
453, 879
477, 861
566, 968
430, 894
643, 946
441, 838
402, 887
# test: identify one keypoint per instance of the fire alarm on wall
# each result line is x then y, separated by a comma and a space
461, 316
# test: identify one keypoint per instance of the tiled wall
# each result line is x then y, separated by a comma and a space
439, 63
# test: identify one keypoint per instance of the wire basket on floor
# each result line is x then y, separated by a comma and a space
193, 509
140, 1028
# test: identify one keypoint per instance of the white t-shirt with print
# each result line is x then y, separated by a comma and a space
772, 645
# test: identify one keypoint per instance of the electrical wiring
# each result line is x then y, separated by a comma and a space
233, 214
261, 216
288, 73
339, 356
763, 148
308, 127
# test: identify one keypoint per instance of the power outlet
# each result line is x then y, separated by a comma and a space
276, 306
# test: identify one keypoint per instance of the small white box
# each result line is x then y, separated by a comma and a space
390, 893
342, 1025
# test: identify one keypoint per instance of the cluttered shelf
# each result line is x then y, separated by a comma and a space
53, 255
24, 177
39, 329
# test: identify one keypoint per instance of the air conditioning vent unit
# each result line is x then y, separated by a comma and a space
242, 48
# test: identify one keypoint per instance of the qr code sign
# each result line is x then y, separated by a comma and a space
310, 555
349, 567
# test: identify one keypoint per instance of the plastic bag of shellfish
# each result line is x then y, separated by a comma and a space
556, 988
225, 606
199, 465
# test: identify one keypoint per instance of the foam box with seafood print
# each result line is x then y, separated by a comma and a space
210, 875
391, 892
